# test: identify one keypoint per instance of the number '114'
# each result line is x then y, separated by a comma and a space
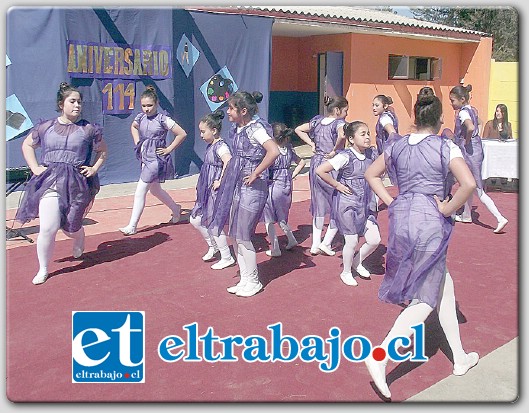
117, 92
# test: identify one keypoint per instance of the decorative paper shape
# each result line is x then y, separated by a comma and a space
8, 61
218, 88
187, 54
17, 119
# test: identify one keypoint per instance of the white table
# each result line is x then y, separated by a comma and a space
500, 159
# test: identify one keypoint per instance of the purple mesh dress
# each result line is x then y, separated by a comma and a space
324, 137
382, 134
280, 187
238, 205
351, 212
64, 149
473, 152
153, 134
418, 233
211, 171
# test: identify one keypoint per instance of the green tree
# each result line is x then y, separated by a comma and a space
501, 22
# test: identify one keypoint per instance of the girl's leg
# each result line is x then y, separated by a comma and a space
226, 260
448, 320
78, 242
411, 316
212, 247
137, 208
243, 271
50, 222
348, 252
253, 285
491, 206
372, 238
158, 192
331, 232
292, 241
317, 229
466, 216
274, 250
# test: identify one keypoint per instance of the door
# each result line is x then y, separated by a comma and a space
330, 76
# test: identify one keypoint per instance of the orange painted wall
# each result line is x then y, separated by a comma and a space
295, 68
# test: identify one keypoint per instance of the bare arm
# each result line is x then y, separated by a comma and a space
468, 130
101, 156
340, 143
225, 159
467, 185
389, 128
28, 150
323, 172
134, 131
300, 164
180, 135
373, 176
272, 152
303, 132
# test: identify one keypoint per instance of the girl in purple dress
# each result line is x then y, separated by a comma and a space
466, 136
280, 189
387, 120
149, 132
216, 159
354, 204
325, 136
64, 185
243, 190
421, 165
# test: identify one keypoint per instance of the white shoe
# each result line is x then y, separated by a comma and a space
128, 230
291, 245
210, 254
348, 279
223, 263
362, 271
273, 253
40, 278
459, 218
175, 218
251, 288
77, 252
377, 370
501, 225
314, 250
326, 249
462, 369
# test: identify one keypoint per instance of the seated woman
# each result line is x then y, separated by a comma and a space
499, 127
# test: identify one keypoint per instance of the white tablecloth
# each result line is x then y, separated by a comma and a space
500, 159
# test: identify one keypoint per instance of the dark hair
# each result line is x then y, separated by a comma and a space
338, 102
505, 121
462, 92
350, 129
425, 91
245, 100
386, 100
282, 134
150, 92
428, 111
65, 90
214, 120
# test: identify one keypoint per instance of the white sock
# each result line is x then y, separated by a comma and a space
271, 231
348, 252
246, 251
372, 238
222, 244
489, 203
288, 232
162, 195
139, 203
331, 232
317, 229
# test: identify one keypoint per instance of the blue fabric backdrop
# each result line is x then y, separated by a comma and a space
37, 47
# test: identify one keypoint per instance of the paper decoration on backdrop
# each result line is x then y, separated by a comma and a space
118, 96
8, 61
187, 54
17, 119
219, 88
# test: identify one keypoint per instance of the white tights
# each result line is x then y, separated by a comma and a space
372, 238
217, 243
317, 229
50, 222
272, 235
485, 200
246, 257
139, 200
417, 313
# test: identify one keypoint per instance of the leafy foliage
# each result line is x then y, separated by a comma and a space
501, 22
